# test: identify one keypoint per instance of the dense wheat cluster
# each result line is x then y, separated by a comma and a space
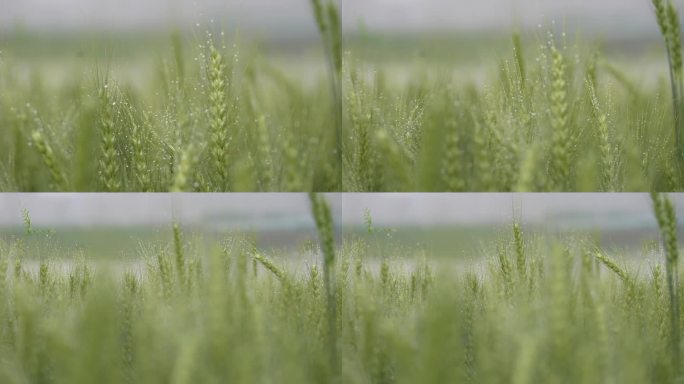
541, 308
550, 124
208, 117
245, 291
223, 127
556, 115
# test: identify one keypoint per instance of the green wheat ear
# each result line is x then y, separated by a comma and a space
180, 253
323, 218
28, 229
609, 169
612, 265
660, 7
675, 40
452, 167
270, 266
334, 21
182, 171
678, 80
670, 28
219, 139
50, 160
109, 162
560, 150
519, 57
140, 147
319, 14
520, 258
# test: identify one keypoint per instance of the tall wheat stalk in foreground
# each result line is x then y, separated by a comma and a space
561, 146
670, 27
218, 117
397, 321
667, 222
321, 213
330, 27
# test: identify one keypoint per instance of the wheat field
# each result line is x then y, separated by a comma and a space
323, 297
212, 113
552, 112
209, 113
537, 307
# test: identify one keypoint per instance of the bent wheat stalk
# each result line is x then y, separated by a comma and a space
271, 266
49, 159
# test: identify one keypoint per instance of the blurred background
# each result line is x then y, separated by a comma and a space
278, 19
270, 19
610, 17
292, 210
113, 225
461, 225
132, 38
460, 35
447, 225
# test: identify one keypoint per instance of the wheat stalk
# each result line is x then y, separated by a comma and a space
329, 26
667, 222
139, 143
264, 153
452, 161
109, 162
608, 163
271, 266
219, 142
291, 168
50, 160
323, 218
668, 21
612, 265
520, 259
180, 253
560, 149
182, 170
